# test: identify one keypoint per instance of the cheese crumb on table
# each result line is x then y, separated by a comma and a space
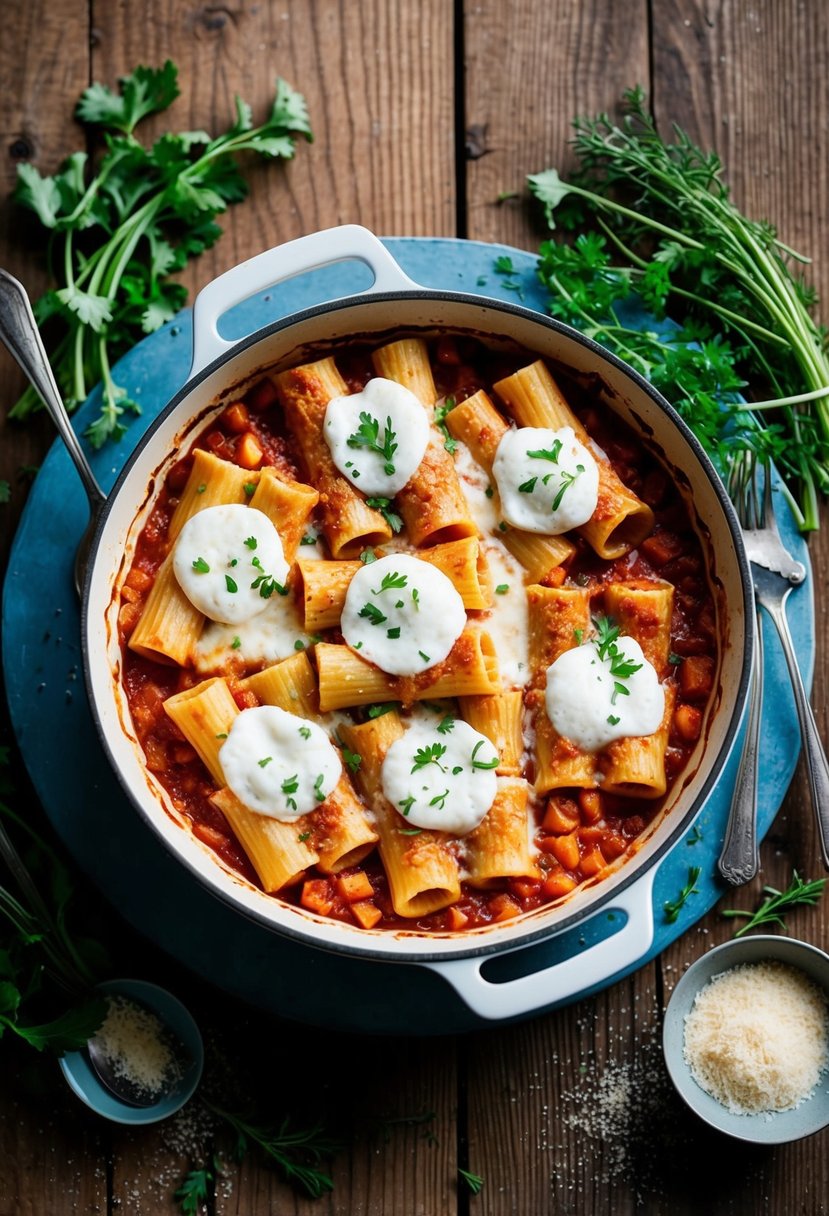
757, 1038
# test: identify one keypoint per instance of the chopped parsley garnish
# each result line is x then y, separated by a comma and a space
368, 556
299, 644
502, 527
231, 584
251, 542
502, 589
416, 599
674, 659
308, 539
489, 492
482, 763
290, 786
425, 657
503, 265
551, 454
431, 754
393, 633
383, 505
234, 561
407, 804
318, 793
372, 614
377, 711
367, 435
265, 583
201, 489
222, 734
567, 480
305, 731
446, 725
250, 488
578, 634
613, 720
457, 769
621, 668
528, 486
353, 759
303, 836
441, 411
201, 566
439, 800
409, 831
236, 643
264, 763
391, 580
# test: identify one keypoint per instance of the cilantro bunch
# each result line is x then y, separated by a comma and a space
666, 234
118, 234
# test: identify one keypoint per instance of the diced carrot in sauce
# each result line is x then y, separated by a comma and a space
139, 580
590, 805
129, 595
561, 816
525, 888
261, 397
592, 862
456, 919
366, 913
236, 418
688, 722
249, 451
566, 850
696, 677
592, 836
210, 836
219, 445
317, 896
128, 617
613, 845
183, 753
156, 755
559, 884
503, 907
661, 547
355, 886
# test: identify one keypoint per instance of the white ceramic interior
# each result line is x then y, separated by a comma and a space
377, 315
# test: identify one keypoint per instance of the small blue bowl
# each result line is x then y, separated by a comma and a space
83, 1080
779, 1127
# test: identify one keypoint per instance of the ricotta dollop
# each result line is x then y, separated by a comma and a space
441, 776
402, 614
377, 437
228, 561
547, 480
278, 764
591, 706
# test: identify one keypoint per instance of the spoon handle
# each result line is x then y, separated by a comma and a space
19, 332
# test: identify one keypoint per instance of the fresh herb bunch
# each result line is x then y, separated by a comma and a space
667, 233
46, 972
299, 1153
798, 893
119, 234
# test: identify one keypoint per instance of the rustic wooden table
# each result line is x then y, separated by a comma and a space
424, 113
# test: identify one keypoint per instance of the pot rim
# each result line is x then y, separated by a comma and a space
630, 872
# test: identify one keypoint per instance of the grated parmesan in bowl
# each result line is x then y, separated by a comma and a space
746, 1038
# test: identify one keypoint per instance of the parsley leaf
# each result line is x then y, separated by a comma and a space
383, 505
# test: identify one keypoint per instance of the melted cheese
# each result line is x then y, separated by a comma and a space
225, 557
272, 635
551, 492
586, 702
278, 764
453, 789
402, 614
391, 418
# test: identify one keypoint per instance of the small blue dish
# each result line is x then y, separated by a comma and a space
85, 1083
779, 1127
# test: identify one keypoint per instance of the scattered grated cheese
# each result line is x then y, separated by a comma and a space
757, 1038
135, 1045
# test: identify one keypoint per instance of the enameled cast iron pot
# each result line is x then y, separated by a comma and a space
220, 370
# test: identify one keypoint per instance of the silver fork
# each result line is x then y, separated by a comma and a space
774, 573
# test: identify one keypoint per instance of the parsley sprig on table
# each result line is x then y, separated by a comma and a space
666, 232
800, 891
118, 235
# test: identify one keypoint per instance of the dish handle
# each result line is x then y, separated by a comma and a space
345, 243
572, 977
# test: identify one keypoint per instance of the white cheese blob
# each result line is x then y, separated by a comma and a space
228, 561
274, 634
278, 764
547, 480
402, 614
587, 704
441, 776
377, 437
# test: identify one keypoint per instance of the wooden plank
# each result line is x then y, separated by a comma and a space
530, 67
44, 65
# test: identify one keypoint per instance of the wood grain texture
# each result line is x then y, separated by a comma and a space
531, 66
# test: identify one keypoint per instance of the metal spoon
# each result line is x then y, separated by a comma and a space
19, 332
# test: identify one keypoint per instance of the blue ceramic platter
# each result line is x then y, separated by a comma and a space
54, 728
